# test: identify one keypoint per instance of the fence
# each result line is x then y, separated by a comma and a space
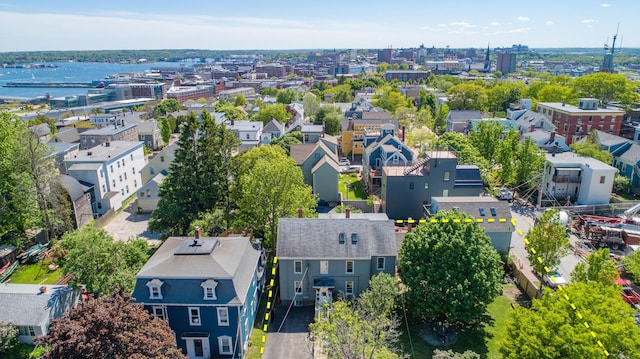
104, 219
524, 276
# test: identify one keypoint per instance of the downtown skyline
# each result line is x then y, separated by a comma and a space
192, 24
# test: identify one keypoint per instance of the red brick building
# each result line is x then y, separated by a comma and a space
575, 122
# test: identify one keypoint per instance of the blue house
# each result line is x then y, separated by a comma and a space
386, 150
208, 289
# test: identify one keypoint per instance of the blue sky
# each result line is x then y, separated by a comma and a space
250, 24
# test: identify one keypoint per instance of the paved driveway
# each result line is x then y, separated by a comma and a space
130, 223
291, 339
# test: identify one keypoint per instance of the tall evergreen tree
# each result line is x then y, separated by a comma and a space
199, 177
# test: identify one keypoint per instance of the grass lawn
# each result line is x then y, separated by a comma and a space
35, 274
354, 185
484, 341
23, 351
255, 343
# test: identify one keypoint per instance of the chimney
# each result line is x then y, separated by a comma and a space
198, 233
554, 149
563, 102
300, 213
43, 289
232, 122
532, 128
347, 212
552, 137
403, 132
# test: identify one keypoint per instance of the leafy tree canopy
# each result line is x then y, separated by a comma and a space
552, 328
451, 271
287, 96
632, 266
549, 239
166, 106
467, 97
277, 111
598, 268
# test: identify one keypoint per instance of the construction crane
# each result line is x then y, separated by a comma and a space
607, 62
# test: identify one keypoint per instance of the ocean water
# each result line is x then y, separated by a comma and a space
66, 72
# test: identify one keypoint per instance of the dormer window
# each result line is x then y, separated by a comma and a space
209, 287
341, 238
155, 288
354, 238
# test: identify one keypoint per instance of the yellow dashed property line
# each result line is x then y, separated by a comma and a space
268, 313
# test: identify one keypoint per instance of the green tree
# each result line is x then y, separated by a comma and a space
606, 87
200, 176
467, 97
99, 262
341, 93
231, 112
465, 151
381, 298
632, 266
165, 130
311, 104
529, 160
44, 119
509, 145
426, 101
270, 186
557, 93
346, 334
287, 96
621, 183
324, 111
240, 100
450, 354
389, 98
592, 150
441, 118
486, 138
269, 92
549, 240
277, 111
451, 271
503, 94
559, 328
109, 327
333, 124
285, 141
166, 106
598, 268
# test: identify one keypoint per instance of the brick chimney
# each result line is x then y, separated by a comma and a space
300, 213
532, 128
552, 137
347, 212
198, 233
43, 289
403, 133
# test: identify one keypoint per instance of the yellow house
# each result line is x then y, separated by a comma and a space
354, 130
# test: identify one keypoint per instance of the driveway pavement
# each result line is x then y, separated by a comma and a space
129, 223
524, 215
291, 338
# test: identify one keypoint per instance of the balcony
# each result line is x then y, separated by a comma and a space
566, 179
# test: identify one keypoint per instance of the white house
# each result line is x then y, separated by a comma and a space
114, 170
583, 180
248, 132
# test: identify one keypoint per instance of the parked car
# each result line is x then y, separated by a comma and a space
505, 195
343, 161
554, 279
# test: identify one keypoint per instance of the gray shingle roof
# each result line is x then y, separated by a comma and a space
471, 206
325, 160
233, 258
300, 152
274, 126
319, 238
68, 135
464, 115
24, 305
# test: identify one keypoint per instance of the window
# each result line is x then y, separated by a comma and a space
197, 347
306, 137
194, 316
111, 167
324, 267
297, 267
341, 238
209, 288
445, 193
161, 158
123, 162
602, 178
159, 311
27, 331
426, 185
297, 285
120, 178
447, 175
133, 170
224, 345
141, 194
354, 238
122, 191
155, 286
411, 185
349, 267
395, 160
135, 183
99, 205
380, 263
348, 288
101, 174
118, 164
104, 188
131, 156
114, 183
125, 176
223, 317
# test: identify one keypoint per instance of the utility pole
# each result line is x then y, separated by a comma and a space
544, 174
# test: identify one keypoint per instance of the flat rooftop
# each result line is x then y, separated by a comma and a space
558, 106
571, 159
104, 153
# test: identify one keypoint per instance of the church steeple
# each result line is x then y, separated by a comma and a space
487, 60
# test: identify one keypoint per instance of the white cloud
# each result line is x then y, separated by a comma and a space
549, 22
463, 24
523, 18
495, 23
588, 21
442, 25
606, 5
432, 29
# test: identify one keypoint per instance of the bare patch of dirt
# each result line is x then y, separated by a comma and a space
515, 295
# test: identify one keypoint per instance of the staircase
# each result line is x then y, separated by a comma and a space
419, 163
